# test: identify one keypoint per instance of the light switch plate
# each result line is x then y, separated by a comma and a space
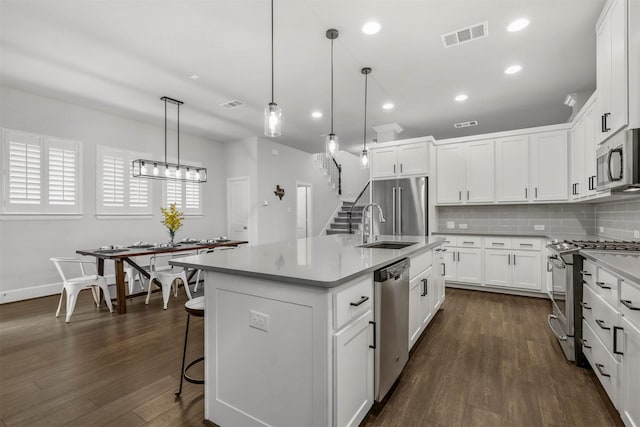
451, 224
538, 227
636, 234
462, 226
259, 321
601, 229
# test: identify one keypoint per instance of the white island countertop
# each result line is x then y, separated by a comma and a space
324, 261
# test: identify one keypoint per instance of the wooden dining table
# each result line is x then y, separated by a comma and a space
122, 255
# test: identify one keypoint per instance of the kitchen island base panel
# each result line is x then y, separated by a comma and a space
272, 377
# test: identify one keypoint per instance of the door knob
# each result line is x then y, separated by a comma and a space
244, 228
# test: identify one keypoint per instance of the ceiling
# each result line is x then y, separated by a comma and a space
121, 56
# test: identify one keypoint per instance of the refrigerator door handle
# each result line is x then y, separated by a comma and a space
399, 210
393, 219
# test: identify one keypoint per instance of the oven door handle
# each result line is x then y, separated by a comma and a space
560, 336
554, 260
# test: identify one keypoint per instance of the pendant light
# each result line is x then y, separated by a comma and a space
364, 156
143, 168
332, 146
272, 113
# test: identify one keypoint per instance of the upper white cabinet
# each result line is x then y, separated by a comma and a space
512, 169
583, 154
465, 172
611, 69
549, 166
392, 161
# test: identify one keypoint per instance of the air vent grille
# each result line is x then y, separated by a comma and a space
232, 104
465, 124
465, 35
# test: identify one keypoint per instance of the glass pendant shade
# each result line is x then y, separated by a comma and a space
332, 145
364, 158
272, 120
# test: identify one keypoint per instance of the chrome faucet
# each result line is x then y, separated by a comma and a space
366, 229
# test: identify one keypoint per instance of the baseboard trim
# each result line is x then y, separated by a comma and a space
482, 288
39, 291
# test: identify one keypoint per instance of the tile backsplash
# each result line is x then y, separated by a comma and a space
618, 220
564, 219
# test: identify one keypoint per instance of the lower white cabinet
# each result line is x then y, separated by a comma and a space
353, 368
629, 404
513, 269
463, 265
426, 295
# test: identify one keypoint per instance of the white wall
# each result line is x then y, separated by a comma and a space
27, 244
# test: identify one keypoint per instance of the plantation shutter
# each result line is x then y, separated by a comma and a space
25, 177
63, 174
138, 190
174, 191
112, 180
192, 195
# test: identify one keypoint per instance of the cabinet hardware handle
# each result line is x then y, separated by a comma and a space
526, 193
458, 256
584, 343
361, 301
585, 273
627, 303
497, 244
585, 306
424, 288
509, 259
460, 195
536, 192
374, 334
438, 250
444, 249
401, 171
467, 194
573, 189
601, 370
514, 259
615, 340
602, 324
549, 268
444, 269
527, 244
593, 182
394, 168
602, 124
606, 128
603, 285
467, 243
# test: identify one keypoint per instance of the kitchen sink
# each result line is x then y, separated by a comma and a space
387, 245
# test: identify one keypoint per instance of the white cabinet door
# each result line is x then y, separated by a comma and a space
449, 173
469, 265
353, 386
512, 169
590, 160
549, 166
629, 385
383, 162
449, 261
479, 172
527, 270
426, 299
577, 159
603, 75
413, 159
415, 326
497, 267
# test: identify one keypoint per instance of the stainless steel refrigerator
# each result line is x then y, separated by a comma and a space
404, 204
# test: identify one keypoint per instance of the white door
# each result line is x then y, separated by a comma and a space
512, 169
412, 159
469, 265
303, 211
527, 270
449, 173
238, 208
497, 267
383, 162
550, 166
479, 168
449, 261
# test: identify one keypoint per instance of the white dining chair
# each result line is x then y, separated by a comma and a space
131, 275
206, 251
73, 286
167, 275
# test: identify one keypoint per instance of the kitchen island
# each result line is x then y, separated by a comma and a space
289, 329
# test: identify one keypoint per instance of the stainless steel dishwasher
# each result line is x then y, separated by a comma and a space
392, 321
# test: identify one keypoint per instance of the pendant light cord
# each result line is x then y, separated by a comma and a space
332, 86
178, 133
272, 51
364, 131
165, 131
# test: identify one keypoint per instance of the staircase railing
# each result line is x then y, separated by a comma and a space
331, 168
339, 169
355, 202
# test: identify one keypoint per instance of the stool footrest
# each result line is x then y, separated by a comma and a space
189, 378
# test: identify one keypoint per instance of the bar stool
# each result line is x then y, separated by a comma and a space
193, 307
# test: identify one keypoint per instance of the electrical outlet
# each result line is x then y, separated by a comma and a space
462, 226
636, 234
538, 227
451, 224
259, 320
601, 229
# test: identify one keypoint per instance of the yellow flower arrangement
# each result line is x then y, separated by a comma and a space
172, 219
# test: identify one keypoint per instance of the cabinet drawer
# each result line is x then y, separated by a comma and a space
607, 286
588, 297
603, 363
449, 241
353, 301
589, 272
630, 301
603, 320
469, 242
497, 243
420, 263
527, 244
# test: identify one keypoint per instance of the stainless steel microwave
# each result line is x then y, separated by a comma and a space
618, 162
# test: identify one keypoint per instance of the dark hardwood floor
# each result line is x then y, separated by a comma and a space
487, 360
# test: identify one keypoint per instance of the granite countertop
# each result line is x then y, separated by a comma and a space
624, 264
324, 261
559, 236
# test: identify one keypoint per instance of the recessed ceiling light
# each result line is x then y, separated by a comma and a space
513, 69
461, 97
371, 27
388, 106
194, 77
518, 25
316, 114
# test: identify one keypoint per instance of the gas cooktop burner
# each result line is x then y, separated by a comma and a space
607, 245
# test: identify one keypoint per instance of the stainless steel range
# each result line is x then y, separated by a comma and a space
565, 265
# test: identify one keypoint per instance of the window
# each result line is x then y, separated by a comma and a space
185, 194
40, 174
118, 192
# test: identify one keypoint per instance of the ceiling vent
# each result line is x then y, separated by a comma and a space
464, 35
465, 124
232, 104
